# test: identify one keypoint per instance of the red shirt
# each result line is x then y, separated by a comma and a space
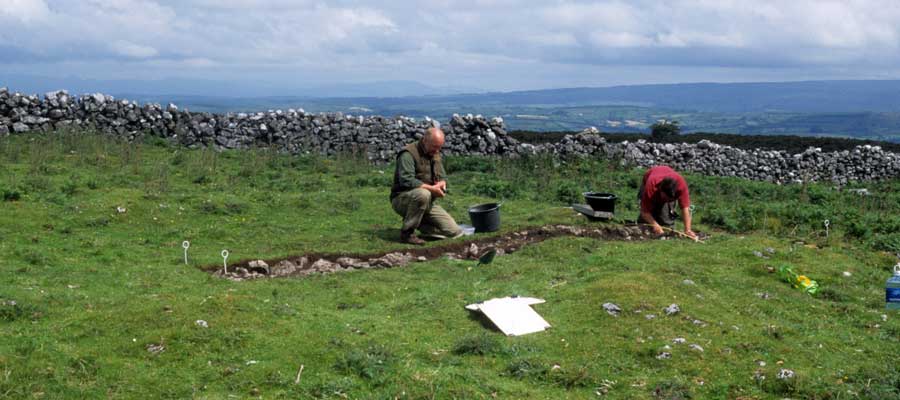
653, 197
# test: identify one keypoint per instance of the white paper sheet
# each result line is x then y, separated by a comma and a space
512, 315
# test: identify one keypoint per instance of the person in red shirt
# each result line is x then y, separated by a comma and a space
660, 189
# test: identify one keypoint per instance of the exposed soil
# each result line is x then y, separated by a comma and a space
315, 263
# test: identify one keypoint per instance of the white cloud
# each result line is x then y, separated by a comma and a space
473, 38
24, 10
129, 49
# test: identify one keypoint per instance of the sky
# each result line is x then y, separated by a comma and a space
485, 45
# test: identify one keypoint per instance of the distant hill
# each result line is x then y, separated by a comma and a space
867, 109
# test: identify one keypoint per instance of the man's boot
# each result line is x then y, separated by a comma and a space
410, 237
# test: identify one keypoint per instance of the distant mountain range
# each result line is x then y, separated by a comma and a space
861, 108
248, 88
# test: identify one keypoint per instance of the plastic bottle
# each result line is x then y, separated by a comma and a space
892, 290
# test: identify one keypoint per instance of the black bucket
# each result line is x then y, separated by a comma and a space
601, 201
485, 217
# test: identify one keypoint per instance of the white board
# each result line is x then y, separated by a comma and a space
512, 315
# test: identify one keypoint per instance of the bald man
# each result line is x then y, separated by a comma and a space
419, 180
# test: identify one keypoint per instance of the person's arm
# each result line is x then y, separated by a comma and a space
686, 212
407, 167
647, 216
685, 201
442, 176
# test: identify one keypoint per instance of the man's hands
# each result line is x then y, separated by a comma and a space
438, 189
657, 229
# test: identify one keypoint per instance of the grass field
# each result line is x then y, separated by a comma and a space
96, 302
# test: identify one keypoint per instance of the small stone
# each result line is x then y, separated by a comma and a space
764, 295
672, 309
770, 250
679, 340
650, 316
759, 254
612, 309
664, 356
759, 375
696, 347
847, 274
259, 264
761, 363
201, 323
687, 282
121, 210
155, 348
785, 374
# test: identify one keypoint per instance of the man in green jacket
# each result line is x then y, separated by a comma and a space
419, 180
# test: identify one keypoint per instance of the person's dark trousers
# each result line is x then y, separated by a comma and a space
665, 213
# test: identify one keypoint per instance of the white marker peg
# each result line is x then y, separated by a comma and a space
827, 225
185, 245
225, 260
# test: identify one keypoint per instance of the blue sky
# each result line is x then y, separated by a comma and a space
490, 45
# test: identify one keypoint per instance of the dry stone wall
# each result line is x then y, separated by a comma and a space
299, 132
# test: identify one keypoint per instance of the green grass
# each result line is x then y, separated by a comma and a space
93, 288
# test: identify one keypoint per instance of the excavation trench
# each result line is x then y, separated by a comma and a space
317, 263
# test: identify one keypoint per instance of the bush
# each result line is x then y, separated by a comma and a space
11, 310
568, 192
664, 130
469, 164
10, 194
494, 188
720, 218
525, 369
479, 345
70, 187
372, 363
887, 242
375, 180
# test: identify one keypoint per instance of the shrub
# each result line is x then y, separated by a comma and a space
887, 242
469, 164
10, 194
568, 192
11, 310
372, 363
495, 188
478, 345
525, 369
70, 187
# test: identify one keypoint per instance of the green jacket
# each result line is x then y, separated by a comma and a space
415, 168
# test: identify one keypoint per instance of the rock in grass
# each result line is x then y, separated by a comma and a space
201, 323
612, 309
687, 282
153, 348
672, 309
664, 355
696, 347
679, 340
785, 374
259, 266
